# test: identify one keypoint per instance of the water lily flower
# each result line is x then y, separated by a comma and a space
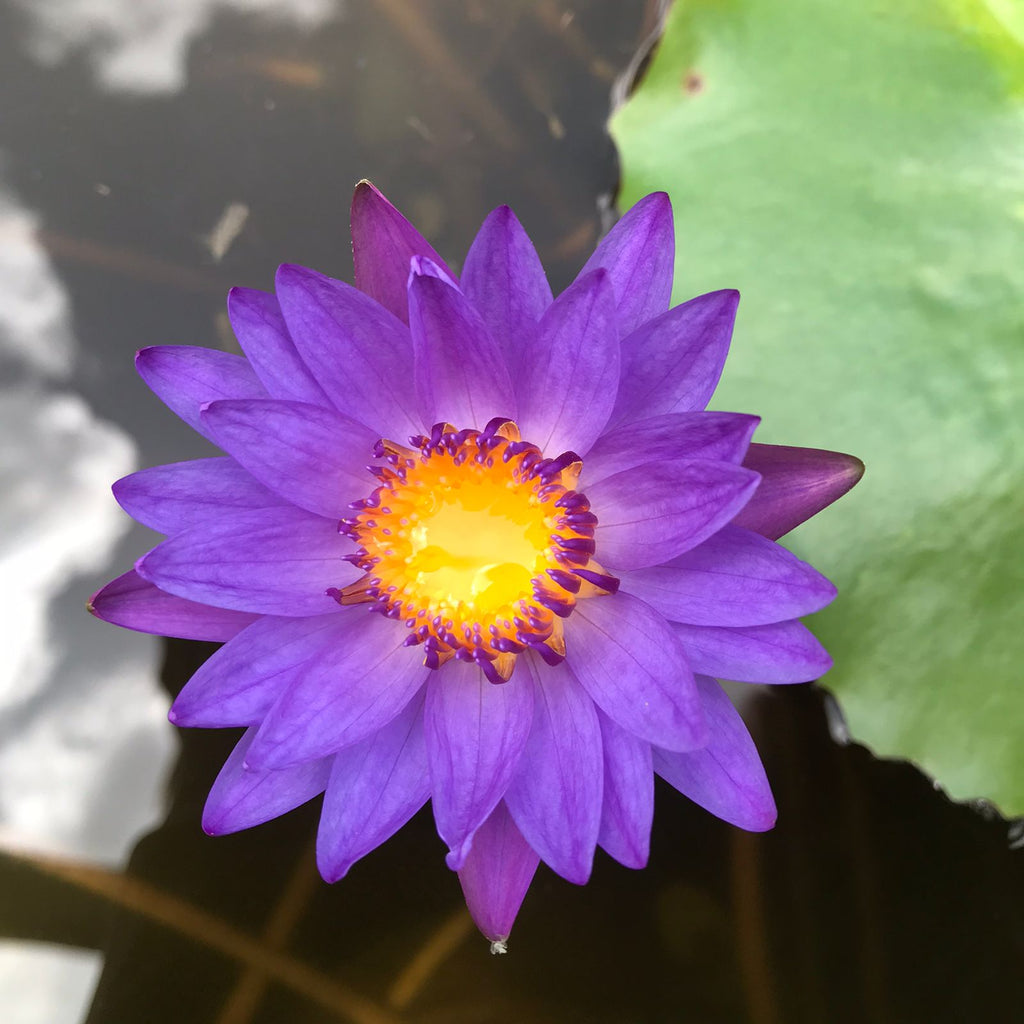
473, 544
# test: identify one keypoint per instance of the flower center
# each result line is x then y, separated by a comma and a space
478, 543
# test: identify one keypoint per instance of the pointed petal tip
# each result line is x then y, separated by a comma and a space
764, 820
96, 600
292, 274
499, 947
854, 467
364, 186
186, 714
455, 858
213, 825
797, 484
333, 872
578, 874
140, 566
504, 213
760, 813
730, 296
659, 199
634, 859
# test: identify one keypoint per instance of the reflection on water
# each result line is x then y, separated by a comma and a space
77, 776
168, 151
57, 752
40, 982
142, 45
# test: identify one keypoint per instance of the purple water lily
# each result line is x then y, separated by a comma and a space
473, 544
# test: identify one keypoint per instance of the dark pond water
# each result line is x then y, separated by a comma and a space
152, 155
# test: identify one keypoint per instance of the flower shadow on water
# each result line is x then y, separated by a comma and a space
814, 921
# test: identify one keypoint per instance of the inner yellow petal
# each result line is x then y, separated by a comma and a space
481, 546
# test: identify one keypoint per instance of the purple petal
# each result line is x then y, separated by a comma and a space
185, 378
650, 514
420, 266
475, 732
181, 495
555, 797
261, 331
633, 666
240, 798
570, 369
376, 786
672, 363
240, 683
718, 436
461, 375
132, 602
496, 874
726, 777
735, 578
383, 242
796, 483
359, 352
784, 652
351, 688
314, 457
628, 808
281, 561
503, 278
639, 253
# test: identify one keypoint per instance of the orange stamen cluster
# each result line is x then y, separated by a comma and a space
478, 543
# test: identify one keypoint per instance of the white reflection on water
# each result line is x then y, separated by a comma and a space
40, 982
35, 332
142, 45
71, 707
84, 741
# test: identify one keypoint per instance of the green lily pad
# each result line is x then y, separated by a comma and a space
857, 170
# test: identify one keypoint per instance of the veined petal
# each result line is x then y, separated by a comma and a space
313, 457
261, 331
784, 652
496, 874
503, 278
185, 378
376, 786
717, 436
181, 495
649, 514
570, 368
639, 254
383, 242
633, 666
240, 683
555, 796
726, 776
359, 352
240, 798
628, 807
134, 603
475, 733
796, 483
280, 561
672, 363
461, 375
358, 684
734, 578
